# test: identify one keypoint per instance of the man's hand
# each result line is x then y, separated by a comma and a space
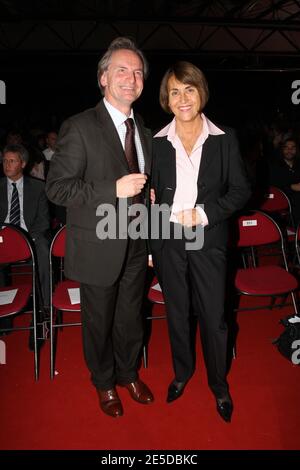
189, 217
130, 185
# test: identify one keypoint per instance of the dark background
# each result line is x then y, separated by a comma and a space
42, 90
248, 49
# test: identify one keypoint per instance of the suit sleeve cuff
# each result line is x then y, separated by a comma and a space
204, 219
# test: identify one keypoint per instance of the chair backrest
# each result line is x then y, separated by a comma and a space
14, 245
275, 200
257, 228
59, 243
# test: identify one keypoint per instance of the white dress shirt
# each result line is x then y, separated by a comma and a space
187, 167
119, 122
48, 153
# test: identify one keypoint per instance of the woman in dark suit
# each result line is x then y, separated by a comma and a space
195, 163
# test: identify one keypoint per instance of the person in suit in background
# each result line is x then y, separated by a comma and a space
32, 214
195, 162
95, 164
285, 174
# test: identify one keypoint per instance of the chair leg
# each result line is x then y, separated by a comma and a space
36, 358
53, 340
34, 323
145, 356
294, 303
51, 345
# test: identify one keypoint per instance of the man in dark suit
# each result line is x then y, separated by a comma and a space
93, 165
29, 197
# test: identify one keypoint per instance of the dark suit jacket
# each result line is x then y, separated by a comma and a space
223, 187
35, 205
83, 173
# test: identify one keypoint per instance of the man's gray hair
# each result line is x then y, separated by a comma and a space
19, 149
116, 45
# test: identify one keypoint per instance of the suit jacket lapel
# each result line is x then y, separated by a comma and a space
173, 180
110, 134
169, 153
27, 203
146, 137
210, 149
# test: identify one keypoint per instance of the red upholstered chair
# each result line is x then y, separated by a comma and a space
276, 202
155, 296
255, 229
60, 299
16, 246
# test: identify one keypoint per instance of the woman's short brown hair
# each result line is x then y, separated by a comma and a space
187, 73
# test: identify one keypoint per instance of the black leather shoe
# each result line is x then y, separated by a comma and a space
175, 390
225, 408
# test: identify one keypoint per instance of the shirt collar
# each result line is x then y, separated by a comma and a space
19, 182
117, 116
209, 127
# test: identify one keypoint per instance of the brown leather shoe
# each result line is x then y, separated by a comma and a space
139, 392
110, 402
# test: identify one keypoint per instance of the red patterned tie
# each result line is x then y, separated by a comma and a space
130, 150
131, 155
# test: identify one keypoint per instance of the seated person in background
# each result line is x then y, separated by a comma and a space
51, 139
14, 136
285, 174
38, 168
23, 202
